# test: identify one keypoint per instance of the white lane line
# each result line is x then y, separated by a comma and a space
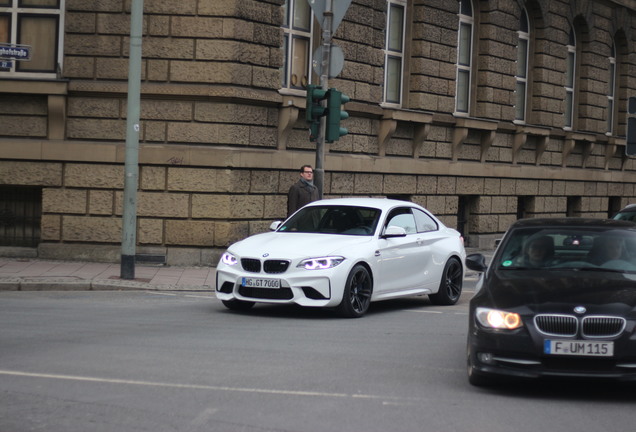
203, 387
423, 311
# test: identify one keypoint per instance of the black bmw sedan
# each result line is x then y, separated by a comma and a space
557, 300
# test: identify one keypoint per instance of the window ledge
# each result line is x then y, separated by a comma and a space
388, 125
488, 130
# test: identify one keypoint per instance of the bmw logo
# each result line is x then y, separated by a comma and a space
580, 310
265, 255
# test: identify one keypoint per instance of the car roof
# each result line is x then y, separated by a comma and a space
628, 208
379, 203
573, 222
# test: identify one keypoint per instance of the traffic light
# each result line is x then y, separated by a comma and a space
335, 99
630, 147
314, 110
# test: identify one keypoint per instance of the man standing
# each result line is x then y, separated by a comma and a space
303, 191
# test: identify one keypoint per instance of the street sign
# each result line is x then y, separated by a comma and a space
336, 61
15, 52
339, 8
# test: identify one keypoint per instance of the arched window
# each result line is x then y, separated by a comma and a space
297, 44
521, 90
570, 74
394, 51
464, 56
611, 90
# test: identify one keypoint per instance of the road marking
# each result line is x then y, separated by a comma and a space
423, 311
385, 399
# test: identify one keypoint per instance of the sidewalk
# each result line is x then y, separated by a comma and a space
38, 275
32, 274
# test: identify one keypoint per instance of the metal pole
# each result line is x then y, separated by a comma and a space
131, 166
319, 171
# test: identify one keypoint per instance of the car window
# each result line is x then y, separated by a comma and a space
626, 215
347, 220
424, 222
567, 247
403, 218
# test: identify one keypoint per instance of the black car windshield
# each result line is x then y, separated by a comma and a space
345, 220
584, 249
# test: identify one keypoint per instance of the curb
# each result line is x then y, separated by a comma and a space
73, 284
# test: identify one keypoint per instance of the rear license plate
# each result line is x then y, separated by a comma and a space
260, 283
578, 348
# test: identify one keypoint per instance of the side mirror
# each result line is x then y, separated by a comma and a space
394, 231
274, 226
476, 262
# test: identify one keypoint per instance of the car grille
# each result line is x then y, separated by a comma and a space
266, 293
569, 325
253, 265
603, 326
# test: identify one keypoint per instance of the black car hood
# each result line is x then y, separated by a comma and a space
555, 291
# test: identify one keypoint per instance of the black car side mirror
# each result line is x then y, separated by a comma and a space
476, 262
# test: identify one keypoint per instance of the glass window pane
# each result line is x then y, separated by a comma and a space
465, 8
285, 60
393, 79
610, 115
396, 28
523, 22
569, 77
462, 90
300, 60
302, 15
465, 33
522, 58
5, 31
611, 79
40, 3
568, 109
520, 106
40, 32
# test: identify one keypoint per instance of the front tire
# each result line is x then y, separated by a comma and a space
450, 287
237, 305
357, 293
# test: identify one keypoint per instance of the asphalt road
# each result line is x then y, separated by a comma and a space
142, 361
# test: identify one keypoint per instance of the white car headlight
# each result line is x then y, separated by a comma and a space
321, 263
498, 319
228, 259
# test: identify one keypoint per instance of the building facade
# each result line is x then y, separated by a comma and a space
483, 111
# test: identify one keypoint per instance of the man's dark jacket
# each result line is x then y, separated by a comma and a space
300, 193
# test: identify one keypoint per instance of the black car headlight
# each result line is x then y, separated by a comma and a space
498, 319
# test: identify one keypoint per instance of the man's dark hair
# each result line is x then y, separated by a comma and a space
302, 168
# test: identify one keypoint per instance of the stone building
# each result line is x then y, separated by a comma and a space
483, 111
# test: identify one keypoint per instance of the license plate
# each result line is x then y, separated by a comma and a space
578, 348
260, 283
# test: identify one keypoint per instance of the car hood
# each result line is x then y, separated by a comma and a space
559, 290
290, 245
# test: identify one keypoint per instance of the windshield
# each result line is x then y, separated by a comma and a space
569, 248
345, 220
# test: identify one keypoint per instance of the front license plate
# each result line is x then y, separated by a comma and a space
260, 283
578, 348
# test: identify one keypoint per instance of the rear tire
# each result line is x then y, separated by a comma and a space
237, 305
357, 293
450, 287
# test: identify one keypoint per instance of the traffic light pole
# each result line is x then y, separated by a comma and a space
319, 170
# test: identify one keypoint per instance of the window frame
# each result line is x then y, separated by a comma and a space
570, 90
292, 33
465, 21
521, 113
394, 54
15, 11
611, 96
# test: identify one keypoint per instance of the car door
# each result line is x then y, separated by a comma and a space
432, 255
400, 258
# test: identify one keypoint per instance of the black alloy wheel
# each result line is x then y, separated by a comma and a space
357, 293
450, 287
